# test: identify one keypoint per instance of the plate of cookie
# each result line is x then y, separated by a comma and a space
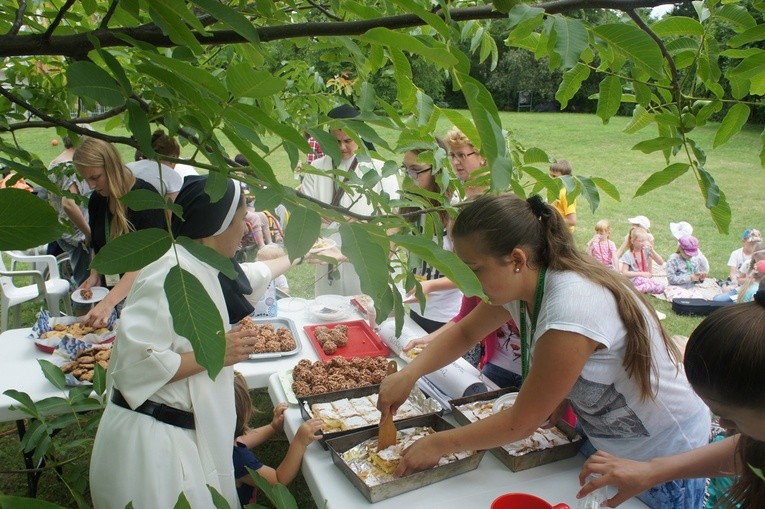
78, 360
47, 332
90, 295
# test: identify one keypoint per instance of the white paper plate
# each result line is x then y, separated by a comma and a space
99, 292
504, 401
285, 377
323, 244
292, 304
328, 312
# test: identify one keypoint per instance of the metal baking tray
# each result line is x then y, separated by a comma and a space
278, 323
337, 446
531, 459
416, 397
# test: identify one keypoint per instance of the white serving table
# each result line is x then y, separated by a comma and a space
555, 482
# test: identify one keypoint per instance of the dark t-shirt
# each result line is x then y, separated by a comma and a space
98, 209
243, 457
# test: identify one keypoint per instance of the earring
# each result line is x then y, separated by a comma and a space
517, 270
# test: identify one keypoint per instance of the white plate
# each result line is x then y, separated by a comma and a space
324, 245
504, 401
328, 312
292, 304
99, 292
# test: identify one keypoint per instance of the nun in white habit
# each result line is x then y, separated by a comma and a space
167, 427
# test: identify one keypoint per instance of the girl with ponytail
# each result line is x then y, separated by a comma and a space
588, 337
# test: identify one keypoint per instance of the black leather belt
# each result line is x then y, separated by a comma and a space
159, 411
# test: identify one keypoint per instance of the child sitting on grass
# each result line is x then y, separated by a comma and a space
687, 266
637, 262
246, 438
601, 247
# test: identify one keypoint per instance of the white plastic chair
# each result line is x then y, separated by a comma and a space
52, 287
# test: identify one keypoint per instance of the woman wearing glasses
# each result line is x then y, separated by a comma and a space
465, 160
442, 296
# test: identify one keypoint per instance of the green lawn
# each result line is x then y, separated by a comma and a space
593, 149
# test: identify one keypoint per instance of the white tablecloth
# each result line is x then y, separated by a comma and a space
19, 368
556, 482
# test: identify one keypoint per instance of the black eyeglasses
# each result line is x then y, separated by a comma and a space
412, 172
460, 155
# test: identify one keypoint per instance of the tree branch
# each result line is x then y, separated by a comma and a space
324, 11
66, 123
78, 45
60, 16
671, 61
19, 18
108, 16
81, 120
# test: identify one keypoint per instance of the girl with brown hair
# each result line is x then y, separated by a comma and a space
587, 336
725, 363
100, 165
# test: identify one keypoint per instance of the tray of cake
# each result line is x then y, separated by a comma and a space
351, 410
545, 445
371, 471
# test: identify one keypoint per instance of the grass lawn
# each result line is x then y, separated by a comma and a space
593, 149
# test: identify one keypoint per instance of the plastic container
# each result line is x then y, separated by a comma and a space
523, 501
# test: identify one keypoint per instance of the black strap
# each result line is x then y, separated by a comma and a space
159, 411
339, 191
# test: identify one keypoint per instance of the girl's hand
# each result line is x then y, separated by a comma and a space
629, 477
421, 455
278, 420
394, 390
99, 315
306, 433
418, 342
91, 281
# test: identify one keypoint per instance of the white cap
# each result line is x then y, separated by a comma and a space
681, 229
641, 220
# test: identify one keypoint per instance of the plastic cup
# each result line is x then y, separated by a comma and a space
523, 501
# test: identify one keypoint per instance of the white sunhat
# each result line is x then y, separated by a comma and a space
681, 229
641, 220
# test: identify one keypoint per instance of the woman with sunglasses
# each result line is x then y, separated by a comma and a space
442, 295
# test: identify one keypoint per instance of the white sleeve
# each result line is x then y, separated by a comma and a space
259, 276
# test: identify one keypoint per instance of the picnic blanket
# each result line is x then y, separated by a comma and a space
706, 290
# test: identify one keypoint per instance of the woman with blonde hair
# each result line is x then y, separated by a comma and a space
466, 160
587, 336
101, 167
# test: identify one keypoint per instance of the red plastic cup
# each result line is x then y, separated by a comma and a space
523, 501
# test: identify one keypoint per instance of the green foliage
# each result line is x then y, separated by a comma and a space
235, 74
76, 414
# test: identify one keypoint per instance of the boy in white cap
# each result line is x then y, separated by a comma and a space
738, 263
749, 239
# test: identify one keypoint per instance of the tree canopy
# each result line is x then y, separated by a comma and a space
212, 71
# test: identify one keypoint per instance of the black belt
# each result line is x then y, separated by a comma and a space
159, 411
